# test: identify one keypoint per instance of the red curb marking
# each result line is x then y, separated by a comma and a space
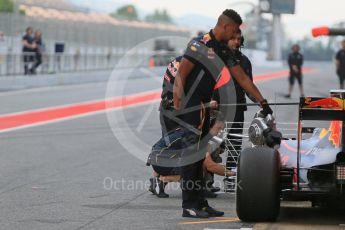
51, 114
16, 120
279, 74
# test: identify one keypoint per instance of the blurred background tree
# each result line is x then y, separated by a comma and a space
6, 6
159, 16
128, 12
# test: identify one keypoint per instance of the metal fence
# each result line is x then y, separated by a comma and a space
87, 46
13, 64
82, 36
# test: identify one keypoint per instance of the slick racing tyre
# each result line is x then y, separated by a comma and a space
258, 195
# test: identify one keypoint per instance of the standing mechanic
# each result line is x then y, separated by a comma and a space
194, 85
235, 44
295, 62
340, 65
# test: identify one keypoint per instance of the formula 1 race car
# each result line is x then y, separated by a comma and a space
299, 169
311, 169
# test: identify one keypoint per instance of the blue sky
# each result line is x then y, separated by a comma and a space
309, 13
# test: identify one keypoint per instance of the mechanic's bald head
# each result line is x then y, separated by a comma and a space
227, 25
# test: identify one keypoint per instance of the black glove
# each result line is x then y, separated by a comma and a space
266, 109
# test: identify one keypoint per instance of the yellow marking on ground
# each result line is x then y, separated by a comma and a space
219, 220
224, 217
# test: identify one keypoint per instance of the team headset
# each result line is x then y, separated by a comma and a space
242, 42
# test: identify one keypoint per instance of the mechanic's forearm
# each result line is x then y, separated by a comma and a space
178, 90
218, 169
251, 98
213, 167
254, 91
167, 179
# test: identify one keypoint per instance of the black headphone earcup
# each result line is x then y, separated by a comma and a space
272, 137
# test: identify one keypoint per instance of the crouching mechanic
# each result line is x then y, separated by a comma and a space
166, 109
162, 149
167, 123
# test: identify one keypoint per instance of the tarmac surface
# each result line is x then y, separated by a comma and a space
75, 174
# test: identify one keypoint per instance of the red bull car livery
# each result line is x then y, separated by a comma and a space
302, 169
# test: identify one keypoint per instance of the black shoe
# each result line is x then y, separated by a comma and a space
287, 96
214, 189
161, 186
162, 195
212, 212
153, 185
209, 194
194, 213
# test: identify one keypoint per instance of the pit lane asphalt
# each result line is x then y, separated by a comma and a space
76, 175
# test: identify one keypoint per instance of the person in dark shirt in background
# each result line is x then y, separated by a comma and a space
38, 51
295, 62
235, 44
340, 65
29, 47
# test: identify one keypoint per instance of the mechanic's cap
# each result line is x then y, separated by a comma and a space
233, 15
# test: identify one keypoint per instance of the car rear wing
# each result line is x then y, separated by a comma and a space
325, 109
326, 31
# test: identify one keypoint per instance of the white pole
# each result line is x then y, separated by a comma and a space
275, 48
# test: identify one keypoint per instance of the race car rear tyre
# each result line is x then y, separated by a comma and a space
258, 195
